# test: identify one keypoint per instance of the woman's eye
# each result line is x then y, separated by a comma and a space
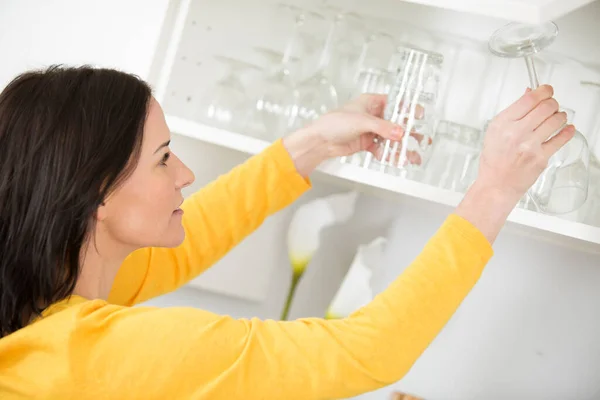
165, 158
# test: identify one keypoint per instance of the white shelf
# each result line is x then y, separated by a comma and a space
230, 140
561, 231
530, 11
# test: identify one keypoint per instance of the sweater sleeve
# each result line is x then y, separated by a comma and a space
194, 354
215, 219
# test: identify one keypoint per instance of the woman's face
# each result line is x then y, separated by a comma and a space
144, 211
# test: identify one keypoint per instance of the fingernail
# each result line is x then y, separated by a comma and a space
397, 131
568, 128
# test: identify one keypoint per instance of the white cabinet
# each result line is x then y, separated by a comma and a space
529, 11
196, 30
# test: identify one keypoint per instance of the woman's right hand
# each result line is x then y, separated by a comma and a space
516, 150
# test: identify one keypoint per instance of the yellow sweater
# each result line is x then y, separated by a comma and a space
95, 349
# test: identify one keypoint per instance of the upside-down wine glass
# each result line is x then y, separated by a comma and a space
563, 186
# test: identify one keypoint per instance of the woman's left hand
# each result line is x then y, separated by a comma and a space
342, 132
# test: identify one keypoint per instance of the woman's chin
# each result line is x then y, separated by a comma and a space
172, 239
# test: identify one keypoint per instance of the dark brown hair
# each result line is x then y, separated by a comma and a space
68, 137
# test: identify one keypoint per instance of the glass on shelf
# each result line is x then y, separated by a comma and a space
375, 55
275, 98
225, 105
592, 89
591, 209
369, 81
345, 51
454, 158
270, 94
466, 82
563, 186
316, 95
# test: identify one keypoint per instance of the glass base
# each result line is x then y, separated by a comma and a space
564, 200
520, 40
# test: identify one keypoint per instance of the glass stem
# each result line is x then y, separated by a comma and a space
533, 76
362, 57
291, 44
326, 53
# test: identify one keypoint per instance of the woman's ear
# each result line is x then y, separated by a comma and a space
101, 212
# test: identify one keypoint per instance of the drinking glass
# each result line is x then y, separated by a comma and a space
563, 186
454, 157
225, 104
411, 104
591, 212
593, 88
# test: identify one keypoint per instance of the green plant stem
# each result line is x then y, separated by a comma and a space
290, 297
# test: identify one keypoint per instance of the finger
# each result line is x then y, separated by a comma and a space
556, 142
419, 113
419, 137
393, 156
414, 158
389, 130
381, 127
550, 126
526, 103
540, 113
372, 146
370, 103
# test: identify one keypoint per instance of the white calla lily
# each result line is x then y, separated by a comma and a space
356, 288
303, 237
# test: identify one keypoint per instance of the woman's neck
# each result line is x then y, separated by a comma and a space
100, 262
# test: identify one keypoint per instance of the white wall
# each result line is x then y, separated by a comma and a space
123, 35
111, 33
529, 330
531, 325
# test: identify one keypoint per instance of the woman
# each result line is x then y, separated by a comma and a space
92, 221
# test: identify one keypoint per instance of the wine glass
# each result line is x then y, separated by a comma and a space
316, 95
345, 51
225, 104
275, 97
270, 92
563, 186
375, 55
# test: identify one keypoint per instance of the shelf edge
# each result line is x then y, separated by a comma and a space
543, 226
